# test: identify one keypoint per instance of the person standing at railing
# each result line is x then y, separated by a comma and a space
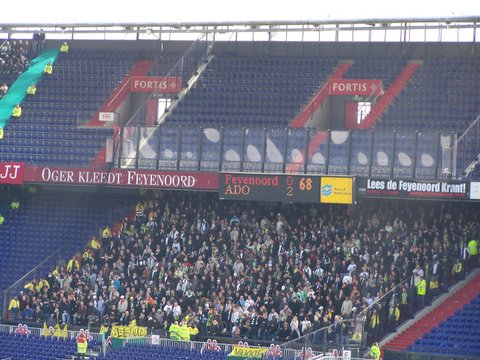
375, 351
457, 270
421, 292
393, 317
374, 325
472, 254
403, 306
13, 307
433, 288
82, 345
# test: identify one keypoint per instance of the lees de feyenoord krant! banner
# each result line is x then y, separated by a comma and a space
413, 189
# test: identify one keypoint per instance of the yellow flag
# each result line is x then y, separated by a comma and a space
133, 322
45, 331
65, 332
103, 329
58, 331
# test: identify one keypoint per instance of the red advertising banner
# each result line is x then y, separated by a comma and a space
355, 87
123, 177
156, 84
12, 173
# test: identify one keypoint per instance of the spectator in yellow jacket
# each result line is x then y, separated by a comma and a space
17, 111
73, 265
14, 306
95, 244
64, 48
48, 69
32, 90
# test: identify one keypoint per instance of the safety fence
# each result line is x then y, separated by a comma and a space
380, 153
32, 331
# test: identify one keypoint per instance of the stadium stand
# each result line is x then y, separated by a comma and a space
253, 90
22, 346
259, 272
442, 325
459, 334
210, 255
143, 352
66, 224
442, 94
47, 131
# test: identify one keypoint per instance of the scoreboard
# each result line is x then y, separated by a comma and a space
286, 188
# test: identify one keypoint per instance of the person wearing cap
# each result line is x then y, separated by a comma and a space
122, 304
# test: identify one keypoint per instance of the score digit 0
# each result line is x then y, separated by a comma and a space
289, 186
305, 184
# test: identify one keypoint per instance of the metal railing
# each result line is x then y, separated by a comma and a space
290, 353
371, 99
467, 147
343, 334
190, 61
37, 272
71, 334
380, 299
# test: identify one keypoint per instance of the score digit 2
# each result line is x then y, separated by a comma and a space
289, 189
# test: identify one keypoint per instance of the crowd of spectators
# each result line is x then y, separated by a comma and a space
256, 270
14, 57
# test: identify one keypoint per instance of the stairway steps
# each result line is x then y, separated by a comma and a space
435, 316
321, 95
390, 94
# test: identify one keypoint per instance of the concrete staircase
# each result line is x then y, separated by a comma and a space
390, 94
444, 307
118, 96
320, 97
